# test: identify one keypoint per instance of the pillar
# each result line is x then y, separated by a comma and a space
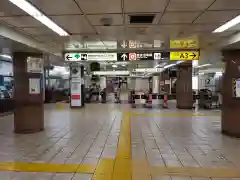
231, 100
165, 81
184, 86
103, 82
155, 84
77, 86
28, 92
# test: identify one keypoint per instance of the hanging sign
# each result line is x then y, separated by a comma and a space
184, 44
143, 56
184, 55
76, 57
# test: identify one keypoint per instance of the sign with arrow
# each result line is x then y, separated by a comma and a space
184, 55
124, 44
73, 57
124, 57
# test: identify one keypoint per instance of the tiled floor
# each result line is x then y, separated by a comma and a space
159, 139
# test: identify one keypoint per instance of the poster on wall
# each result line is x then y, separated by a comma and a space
34, 65
34, 86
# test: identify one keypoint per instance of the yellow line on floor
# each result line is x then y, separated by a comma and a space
175, 114
104, 170
120, 168
47, 168
122, 165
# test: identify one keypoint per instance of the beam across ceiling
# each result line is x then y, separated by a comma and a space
10, 33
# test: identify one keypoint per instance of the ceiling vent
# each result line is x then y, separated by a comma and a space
141, 19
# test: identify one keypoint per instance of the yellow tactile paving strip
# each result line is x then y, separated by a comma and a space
47, 168
122, 167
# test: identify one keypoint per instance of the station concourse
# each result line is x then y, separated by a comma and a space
119, 90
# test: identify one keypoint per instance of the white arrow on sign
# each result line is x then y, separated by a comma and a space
124, 56
124, 44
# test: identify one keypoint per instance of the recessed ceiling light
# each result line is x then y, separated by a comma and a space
228, 25
203, 65
6, 56
34, 12
114, 66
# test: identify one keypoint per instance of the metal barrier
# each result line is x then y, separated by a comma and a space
149, 100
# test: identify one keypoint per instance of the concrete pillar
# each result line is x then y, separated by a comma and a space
230, 95
28, 92
77, 86
184, 86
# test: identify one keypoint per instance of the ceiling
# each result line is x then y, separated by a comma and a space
83, 19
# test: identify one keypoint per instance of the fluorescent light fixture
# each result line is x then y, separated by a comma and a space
219, 73
195, 63
170, 65
114, 66
204, 65
6, 56
179, 62
201, 73
34, 12
228, 25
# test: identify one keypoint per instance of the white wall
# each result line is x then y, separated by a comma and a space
141, 84
211, 56
210, 81
6, 68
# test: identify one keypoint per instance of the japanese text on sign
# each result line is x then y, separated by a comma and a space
184, 44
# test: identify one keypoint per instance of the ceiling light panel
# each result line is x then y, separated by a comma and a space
228, 25
34, 12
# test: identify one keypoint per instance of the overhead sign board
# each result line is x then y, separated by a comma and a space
76, 57
77, 45
184, 55
143, 56
133, 44
184, 44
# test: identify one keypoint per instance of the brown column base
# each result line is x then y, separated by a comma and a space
29, 119
230, 121
184, 106
235, 135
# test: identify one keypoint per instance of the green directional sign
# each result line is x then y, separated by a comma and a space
72, 57
77, 56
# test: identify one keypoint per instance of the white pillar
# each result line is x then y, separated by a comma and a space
155, 84
103, 82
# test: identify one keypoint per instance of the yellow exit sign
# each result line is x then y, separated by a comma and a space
184, 55
184, 44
